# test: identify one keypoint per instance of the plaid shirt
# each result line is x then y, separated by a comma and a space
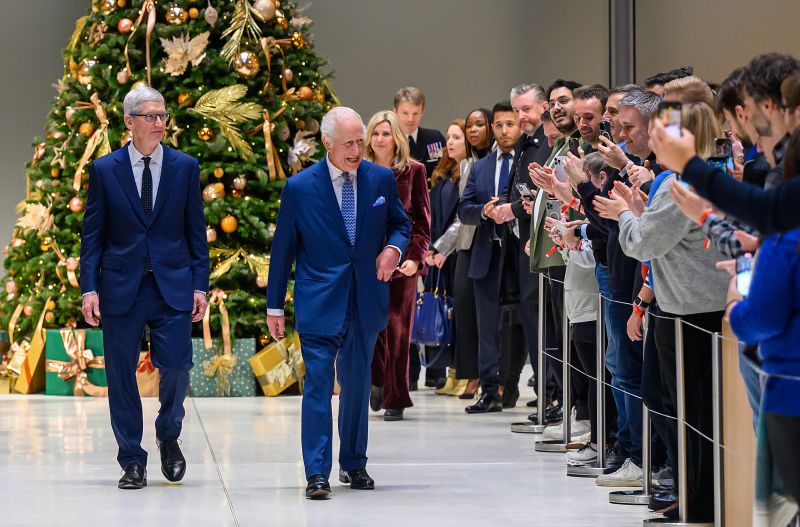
720, 232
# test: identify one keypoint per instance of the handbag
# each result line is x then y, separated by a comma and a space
433, 315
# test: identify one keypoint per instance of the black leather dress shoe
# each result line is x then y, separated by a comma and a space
393, 415
413, 387
173, 464
318, 487
487, 403
376, 398
358, 479
510, 396
135, 477
552, 415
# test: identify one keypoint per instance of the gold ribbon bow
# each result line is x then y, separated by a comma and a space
149, 9
291, 366
146, 365
268, 44
80, 360
219, 366
71, 264
274, 166
98, 141
257, 264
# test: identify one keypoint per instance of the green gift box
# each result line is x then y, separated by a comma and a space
74, 361
218, 375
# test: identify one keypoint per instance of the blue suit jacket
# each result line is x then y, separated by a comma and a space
115, 238
311, 230
478, 191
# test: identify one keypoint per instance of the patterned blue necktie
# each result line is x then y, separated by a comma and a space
349, 208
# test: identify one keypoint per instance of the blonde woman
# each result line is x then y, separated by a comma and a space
387, 146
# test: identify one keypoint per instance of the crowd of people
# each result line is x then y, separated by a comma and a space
654, 196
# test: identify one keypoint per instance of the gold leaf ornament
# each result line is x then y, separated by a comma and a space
224, 107
243, 26
181, 50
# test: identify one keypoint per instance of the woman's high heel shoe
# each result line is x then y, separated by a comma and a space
470, 390
449, 384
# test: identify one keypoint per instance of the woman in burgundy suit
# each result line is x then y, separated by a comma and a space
388, 146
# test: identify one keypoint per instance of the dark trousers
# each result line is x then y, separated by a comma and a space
553, 341
697, 394
487, 305
783, 433
584, 356
466, 352
352, 350
512, 346
171, 352
653, 395
527, 313
390, 361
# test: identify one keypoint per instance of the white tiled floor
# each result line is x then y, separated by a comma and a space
439, 467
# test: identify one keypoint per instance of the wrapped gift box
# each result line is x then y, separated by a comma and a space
27, 361
279, 366
218, 375
75, 364
147, 377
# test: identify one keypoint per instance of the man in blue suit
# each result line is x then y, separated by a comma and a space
341, 220
144, 261
488, 180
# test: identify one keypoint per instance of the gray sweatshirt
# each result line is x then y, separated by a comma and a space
684, 276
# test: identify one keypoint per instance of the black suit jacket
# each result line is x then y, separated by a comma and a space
529, 149
428, 141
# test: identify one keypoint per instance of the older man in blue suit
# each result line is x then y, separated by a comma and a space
144, 261
341, 220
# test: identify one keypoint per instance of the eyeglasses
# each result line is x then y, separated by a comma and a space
151, 117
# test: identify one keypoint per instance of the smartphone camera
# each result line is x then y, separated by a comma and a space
605, 129
744, 273
669, 113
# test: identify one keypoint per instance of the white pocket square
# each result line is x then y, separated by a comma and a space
378, 202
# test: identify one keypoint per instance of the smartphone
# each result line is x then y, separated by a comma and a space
558, 169
669, 113
574, 144
553, 209
723, 147
524, 191
559, 229
724, 163
605, 129
744, 273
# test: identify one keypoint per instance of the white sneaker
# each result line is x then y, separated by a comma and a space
584, 456
577, 430
628, 475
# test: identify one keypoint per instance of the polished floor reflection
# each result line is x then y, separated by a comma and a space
439, 467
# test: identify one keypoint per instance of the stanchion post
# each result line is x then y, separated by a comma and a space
683, 491
540, 367
716, 387
600, 385
566, 403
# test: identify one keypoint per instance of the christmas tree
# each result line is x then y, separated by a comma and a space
245, 93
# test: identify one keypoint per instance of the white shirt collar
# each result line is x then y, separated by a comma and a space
335, 172
500, 155
155, 158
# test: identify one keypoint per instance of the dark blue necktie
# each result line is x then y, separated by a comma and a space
503, 183
147, 203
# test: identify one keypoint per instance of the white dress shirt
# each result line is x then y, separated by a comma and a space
137, 165
498, 164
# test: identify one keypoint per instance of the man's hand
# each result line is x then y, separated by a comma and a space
488, 209
277, 326
573, 166
542, 177
691, 204
409, 268
570, 240
634, 327
612, 154
610, 208
639, 175
528, 247
429, 258
748, 241
672, 152
200, 306
503, 213
386, 263
91, 309
634, 198
527, 204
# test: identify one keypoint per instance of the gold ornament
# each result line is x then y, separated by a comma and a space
184, 99
239, 182
305, 93
123, 76
205, 133
55, 172
176, 15
246, 64
211, 15
301, 124
51, 305
298, 40
124, 25
181, 50
319, 96
71, 322
237, 194
288, 74
86, 129
194, 13
264, 9
106, 6
281, 20
213, 191
46, 243
219, 172
76, 204
17, 242
229, 224
138, 84
85, 71
263, 340
260, 282
121, 3
96, 33
125, 138
211, 234
27, 310
49, 317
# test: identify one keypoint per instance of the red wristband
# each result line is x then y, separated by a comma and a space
638, 310
705, 215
